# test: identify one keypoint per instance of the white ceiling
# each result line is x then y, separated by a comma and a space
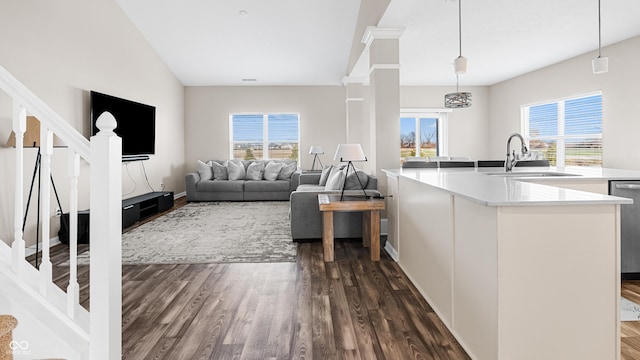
308, 42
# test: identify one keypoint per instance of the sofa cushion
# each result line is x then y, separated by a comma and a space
272, 169
220, 185
351, 182
287, 170
235, 170
325, 174
205, 171
219, 170
255, 171
335, 181
266, 186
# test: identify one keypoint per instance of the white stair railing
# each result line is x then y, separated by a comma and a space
103, 154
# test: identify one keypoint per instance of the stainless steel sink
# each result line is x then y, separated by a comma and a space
530, 174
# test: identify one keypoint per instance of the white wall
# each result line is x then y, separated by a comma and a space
322, 112
468, 128
63, 49
621, 108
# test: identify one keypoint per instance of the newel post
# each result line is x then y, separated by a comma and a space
19, 127
106, 241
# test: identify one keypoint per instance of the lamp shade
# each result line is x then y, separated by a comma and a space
316, 149
32, 135
349, 152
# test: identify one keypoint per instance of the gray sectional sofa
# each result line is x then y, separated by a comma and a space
218, 180
305, 215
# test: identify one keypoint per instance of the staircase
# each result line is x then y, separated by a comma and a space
51, 322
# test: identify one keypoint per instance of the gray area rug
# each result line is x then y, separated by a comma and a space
212, 232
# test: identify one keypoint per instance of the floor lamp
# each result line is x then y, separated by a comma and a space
350, 153
32, 140
316, 150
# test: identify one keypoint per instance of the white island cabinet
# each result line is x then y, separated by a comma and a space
515, 269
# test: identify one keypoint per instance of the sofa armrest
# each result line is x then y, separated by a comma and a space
310, 178
191, 180
295, 180
372, 184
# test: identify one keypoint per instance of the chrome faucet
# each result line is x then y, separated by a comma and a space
511, 162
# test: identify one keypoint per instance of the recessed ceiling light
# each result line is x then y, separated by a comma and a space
243, 13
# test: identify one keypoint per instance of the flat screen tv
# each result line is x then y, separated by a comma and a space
136, 123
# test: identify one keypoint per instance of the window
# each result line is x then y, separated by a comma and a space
421, 134
251, 134
567, 132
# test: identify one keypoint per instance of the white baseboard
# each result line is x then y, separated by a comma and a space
28, 251
391, 251
177, 196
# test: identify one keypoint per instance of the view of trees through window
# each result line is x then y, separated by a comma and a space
418, 137
251, 134
566, 132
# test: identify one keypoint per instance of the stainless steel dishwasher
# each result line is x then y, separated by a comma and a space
629, 227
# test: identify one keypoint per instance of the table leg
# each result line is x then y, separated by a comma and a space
327, 235
374, 221
366, 228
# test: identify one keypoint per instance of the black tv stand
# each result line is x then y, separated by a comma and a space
142, 206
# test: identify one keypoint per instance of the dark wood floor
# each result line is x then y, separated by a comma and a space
350, 309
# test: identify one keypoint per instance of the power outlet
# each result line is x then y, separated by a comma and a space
161, 187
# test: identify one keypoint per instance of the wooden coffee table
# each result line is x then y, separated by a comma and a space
370, 221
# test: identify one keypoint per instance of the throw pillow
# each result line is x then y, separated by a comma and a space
219, 170
272, 169
205, 171
287, 170
351, 183
255, 170
235, 170
326, 170
335, 181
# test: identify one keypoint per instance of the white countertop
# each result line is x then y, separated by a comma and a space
475, 185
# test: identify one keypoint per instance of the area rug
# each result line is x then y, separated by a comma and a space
212, 232
629, 311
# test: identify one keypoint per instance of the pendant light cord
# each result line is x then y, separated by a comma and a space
599, 31
460, 24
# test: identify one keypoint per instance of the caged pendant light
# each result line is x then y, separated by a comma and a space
458, 99
600, 64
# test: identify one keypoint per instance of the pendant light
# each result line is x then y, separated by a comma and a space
600, 64
458, 99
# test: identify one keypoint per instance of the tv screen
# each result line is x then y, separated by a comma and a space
136, 123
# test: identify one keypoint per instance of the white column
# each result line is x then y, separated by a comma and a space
106, 241
46, 150
19, 127
384, 87
357, 128
73, 290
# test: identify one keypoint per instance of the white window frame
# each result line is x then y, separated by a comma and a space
443, 126
265, 132
560, 138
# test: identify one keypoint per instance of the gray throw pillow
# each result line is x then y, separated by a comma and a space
255, 170
326, 170
205, 171
335, 181
219, 170
235, 170
287, 170
272, 169
351, 183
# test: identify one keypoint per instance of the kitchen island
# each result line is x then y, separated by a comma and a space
516, 268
